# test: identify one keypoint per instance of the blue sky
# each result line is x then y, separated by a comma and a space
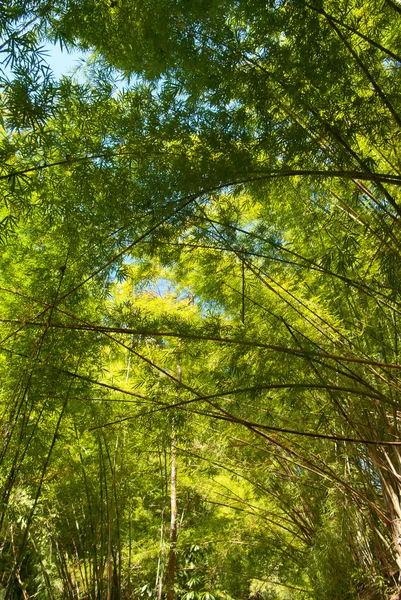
62, 62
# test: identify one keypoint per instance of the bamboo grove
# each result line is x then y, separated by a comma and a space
200, 300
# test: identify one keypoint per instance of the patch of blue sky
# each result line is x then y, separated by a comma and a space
161, 286
60, 61
250, 225
68, 62
75, 63
63, 62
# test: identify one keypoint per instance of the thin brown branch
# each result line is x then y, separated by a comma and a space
191, 336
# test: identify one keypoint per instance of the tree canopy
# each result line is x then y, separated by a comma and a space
200, 292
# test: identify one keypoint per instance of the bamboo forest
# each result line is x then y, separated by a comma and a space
200, 300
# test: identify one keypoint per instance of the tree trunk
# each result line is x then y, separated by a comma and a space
173, 520
173, 500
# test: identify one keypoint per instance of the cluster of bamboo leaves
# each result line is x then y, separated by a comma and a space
199, 300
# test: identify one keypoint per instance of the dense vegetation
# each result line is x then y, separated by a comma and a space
200, 294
